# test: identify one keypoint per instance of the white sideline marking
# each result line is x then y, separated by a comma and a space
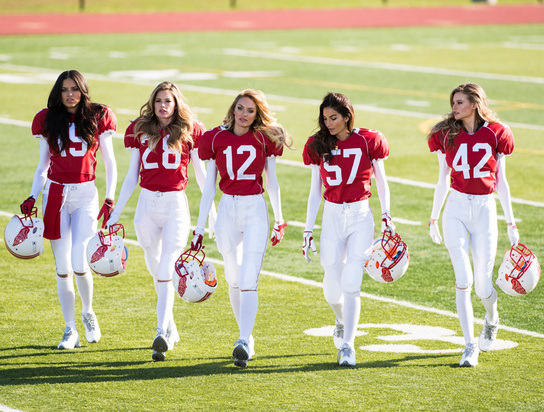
226, 92
380, 66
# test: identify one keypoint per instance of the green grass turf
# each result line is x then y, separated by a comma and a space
292, 370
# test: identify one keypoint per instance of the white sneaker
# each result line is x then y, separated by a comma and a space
338, 334
92, 330
487, 336
160, 346
172, 335
346, 355
470, 355
70, 339
240, 353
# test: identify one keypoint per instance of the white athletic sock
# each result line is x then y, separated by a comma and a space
234, 296
490, 304
465, 313
352, 311
338, 309
165, 305
249, 302
67, 297
85, 289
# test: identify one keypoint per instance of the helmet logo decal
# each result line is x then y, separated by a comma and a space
386, 275
99, 254
22, 236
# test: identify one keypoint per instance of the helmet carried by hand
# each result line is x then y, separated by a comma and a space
106, 252
194, 279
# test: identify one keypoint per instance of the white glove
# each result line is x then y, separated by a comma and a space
434, 231
278, 232
513, 234
387, 223
114, 218
196, 243
307, 244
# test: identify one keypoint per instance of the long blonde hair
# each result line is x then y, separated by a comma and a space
483, 112
264, 122
180, 128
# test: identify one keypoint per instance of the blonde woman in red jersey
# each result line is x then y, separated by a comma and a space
471, 145
246, 145
342, 159
163, 140
71, 130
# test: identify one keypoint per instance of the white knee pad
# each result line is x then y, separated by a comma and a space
352, 277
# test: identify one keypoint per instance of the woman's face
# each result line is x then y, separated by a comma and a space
164, 106
71, 95
462, 108
336, 123
245, 113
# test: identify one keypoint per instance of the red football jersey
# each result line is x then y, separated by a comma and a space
162, 170
347, 176
239, 159
473, 159
74, 164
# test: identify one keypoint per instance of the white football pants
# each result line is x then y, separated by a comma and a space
471, 221
346, 241
78, 225
162, 223
242, 235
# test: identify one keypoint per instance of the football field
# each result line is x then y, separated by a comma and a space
409, 340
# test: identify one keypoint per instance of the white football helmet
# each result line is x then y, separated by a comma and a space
194, 279
519, 272
23, 236
389, 259
106, 253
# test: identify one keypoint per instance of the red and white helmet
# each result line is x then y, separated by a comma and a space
23, 236
389, 259
194, 279
519, 272
106, 253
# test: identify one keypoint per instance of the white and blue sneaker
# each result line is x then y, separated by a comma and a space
346, 355
487, 336
92, 330
70, 339
241, 353
470, 355
164, 341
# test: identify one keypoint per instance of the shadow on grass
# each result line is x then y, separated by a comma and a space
66, 372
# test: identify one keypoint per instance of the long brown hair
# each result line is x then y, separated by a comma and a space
324, 142
264, 122
180, 128
483, 112
58, 118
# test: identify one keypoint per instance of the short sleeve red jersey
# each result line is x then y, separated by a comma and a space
473, 157
163, 170
75, 164
347, 176
239, 159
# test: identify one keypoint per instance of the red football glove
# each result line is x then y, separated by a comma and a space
107, 207
27, 205
277, 233
196, 243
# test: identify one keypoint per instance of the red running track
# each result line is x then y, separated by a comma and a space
270, 19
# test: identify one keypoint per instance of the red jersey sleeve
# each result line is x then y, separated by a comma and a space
271, 149
198, 131
378, 148
108, 123
309, 156
38, 124
130, 138
205, 144
505, 138
436, 143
